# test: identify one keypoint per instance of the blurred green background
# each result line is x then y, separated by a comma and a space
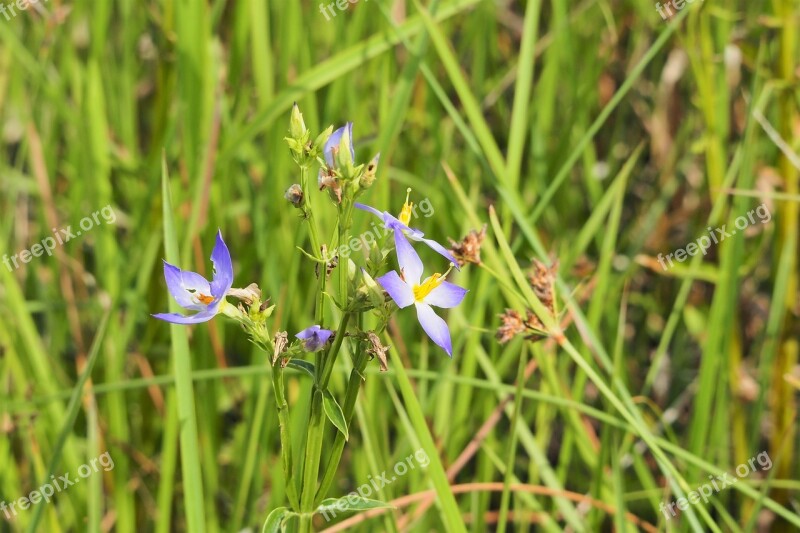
602, 134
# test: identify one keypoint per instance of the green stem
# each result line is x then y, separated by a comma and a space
333, 352
305, 523
316, 421
504, 499
320, 311
309, 212
313, 451
286, 439
324, 368
353, 389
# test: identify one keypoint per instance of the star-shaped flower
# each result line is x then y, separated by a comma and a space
192, 291
406, 289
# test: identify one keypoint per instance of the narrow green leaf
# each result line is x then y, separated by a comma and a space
303, 366
351, 503
334, 413
275, 520
190, 454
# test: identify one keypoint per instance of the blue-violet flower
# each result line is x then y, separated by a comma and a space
405, 289
192, 291
314, 338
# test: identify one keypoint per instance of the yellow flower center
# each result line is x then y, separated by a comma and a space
405, 213
421, 291
427, 286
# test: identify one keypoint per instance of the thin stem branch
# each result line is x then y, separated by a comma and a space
353, 389
285, 435
504, 499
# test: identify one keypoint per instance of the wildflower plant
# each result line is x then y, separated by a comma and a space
355, 291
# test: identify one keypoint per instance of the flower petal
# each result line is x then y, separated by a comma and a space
308, 332
176, 318
349, 127
223, 269
333, 141
314, 338
446, 295
324, 335
400, 291
365, 207
183, 283
435, 327
393, 223
441, 250
410, 263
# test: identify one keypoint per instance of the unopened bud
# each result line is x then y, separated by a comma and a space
294, 195
297, 128
345, 156
319, 143
368, 178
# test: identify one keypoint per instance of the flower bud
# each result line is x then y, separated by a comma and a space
319, 143
294, 195
368, 178
297, 128
345, 156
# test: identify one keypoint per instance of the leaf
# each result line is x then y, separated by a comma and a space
334, 413
352, 502
315, 259
275, 520
305, 366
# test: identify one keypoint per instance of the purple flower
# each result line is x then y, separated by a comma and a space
400, 227
405, 289
332, 144
192, 291
315, 338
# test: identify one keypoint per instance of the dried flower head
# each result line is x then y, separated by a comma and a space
514, 324
281, 342
376, 349
294, 195
248, 295
468, 250
327, 180
542, 279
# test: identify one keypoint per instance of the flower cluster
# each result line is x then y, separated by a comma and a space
339, 174
371, 288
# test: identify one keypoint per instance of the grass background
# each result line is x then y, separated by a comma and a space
601, 134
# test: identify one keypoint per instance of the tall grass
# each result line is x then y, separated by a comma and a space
591, 136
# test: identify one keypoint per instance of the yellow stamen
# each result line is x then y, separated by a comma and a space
423, 290
405, 213
205, 299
